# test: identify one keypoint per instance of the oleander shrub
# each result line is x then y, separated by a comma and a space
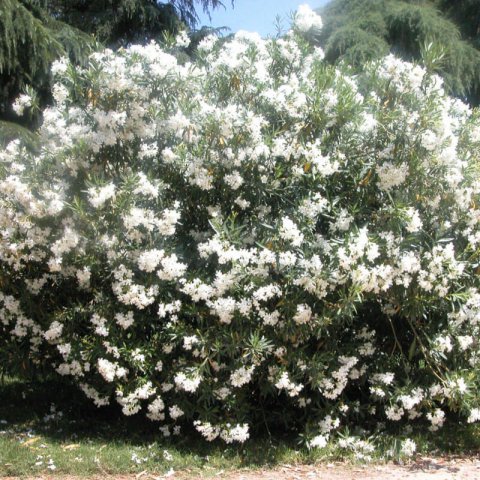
251, 238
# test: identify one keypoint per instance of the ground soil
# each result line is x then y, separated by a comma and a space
422, 469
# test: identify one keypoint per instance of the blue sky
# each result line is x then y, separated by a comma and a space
254, 15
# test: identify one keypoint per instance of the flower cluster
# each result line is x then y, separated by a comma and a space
249, 237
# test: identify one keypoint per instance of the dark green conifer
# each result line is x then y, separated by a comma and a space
30, 39
360, 30
33, 33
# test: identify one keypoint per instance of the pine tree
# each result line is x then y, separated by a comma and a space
30, 39
466, 14
120, 22
357, 31
33, 33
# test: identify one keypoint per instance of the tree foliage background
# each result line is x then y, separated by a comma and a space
357, 31
33, 33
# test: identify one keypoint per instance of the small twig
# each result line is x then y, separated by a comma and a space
265, 419
437, 373
399, 345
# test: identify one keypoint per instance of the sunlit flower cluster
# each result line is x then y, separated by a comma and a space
249, 236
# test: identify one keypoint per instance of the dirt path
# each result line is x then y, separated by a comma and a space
422, 469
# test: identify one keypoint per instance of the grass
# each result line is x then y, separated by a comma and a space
48, 428
83, 440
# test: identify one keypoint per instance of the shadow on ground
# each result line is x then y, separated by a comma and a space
62, 414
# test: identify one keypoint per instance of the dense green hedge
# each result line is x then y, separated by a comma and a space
253, 237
